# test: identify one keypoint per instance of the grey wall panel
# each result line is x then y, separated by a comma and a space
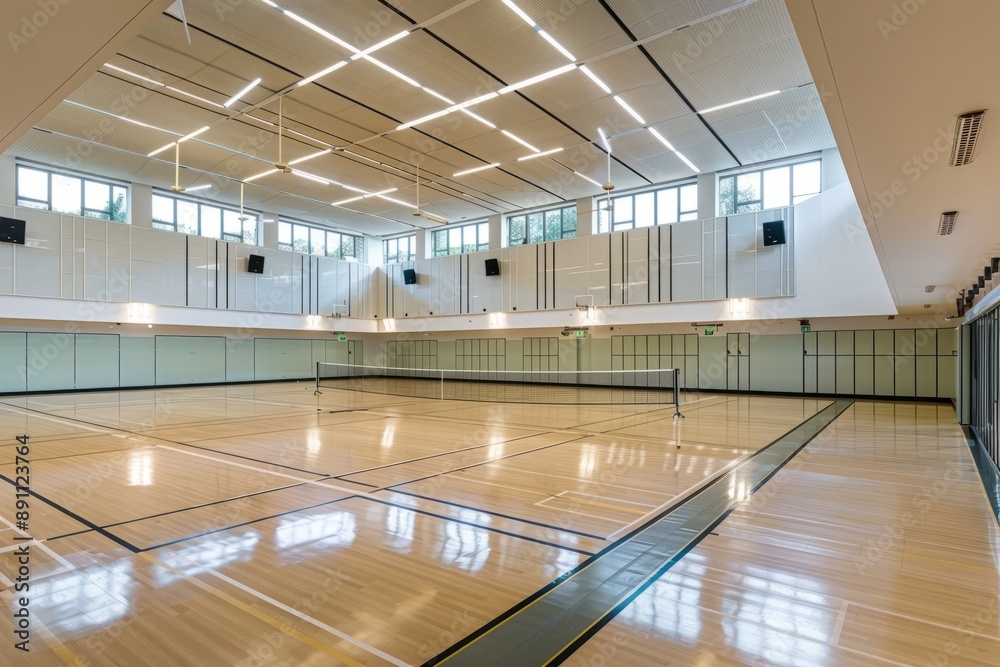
926, 375
713, 362
906, 376
885, 374
51, 361
845, 375
190, 359
13, 355
826, 375
97, 361
138, 361
947, 375
864, 375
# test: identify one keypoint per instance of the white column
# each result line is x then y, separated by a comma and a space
270, 235
374, 251
423, 247
586, 216
708, 204
496, 231
833, 169
140, 206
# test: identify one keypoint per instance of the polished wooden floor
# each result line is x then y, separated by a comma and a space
260, 525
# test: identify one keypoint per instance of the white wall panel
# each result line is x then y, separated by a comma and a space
38, 261
158, 267
636, 266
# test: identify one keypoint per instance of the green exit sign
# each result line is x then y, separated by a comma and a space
581, 334
806, 329
709, 331
341, 336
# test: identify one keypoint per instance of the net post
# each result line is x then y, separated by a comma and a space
442, 384
677, 394
317, 392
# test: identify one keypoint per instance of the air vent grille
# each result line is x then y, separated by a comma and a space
929, 288
967, 131
948, 220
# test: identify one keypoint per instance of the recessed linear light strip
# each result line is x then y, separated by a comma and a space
179, 141
539, 154
235, 98
196, 188
472, 171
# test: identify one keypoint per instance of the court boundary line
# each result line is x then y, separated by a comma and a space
476, 525
476, 634
498, 514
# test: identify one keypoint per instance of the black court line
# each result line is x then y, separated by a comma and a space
76, 517
650, 412
476, 525
483, 463
245, 523
434, 456
498, 514
564, 652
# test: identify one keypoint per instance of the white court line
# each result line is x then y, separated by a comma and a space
587, 481
295, 612
541, 503
841, 617
608, 498
925, 621
683, 494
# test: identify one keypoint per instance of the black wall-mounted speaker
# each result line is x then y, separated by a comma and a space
774, 233
493, 267
255, 264
409, 276
12, 231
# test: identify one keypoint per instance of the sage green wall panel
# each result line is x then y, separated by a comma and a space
864, 375
826, 373
926, 342
707, 370
138, 361
845, 343
906, 374
884, 344
885, 373
827, 342
927, 381
600, 354
190, 360
97, 361
947, 377
810, 382
283, 359
845, 375
51, 361
239, 360
906, 344
864, 342
13, 374
776, 363
947, 340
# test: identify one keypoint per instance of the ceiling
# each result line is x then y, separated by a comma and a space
893, 78
448, 52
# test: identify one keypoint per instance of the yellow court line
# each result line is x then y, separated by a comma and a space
270, 620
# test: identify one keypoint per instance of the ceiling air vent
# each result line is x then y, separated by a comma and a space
947, 225
967, 131
929, 288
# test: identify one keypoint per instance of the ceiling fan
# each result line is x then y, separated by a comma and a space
608, 185
424, 214
281, 165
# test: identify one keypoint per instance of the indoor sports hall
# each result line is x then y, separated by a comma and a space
598, 333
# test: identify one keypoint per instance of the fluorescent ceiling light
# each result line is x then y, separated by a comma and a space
194, 97
380, 192
687, 162
604, 139
315, 28
161, 149
587, 178
198, 187
320, 75
738, 102
310, 157
392, 71
437, 95
394, 201
480, 119
519, 140
536, 79
663, 140
354, 189
593, 77
346, 201
250, 86
559, 47
520, 12
472, 171
385, 42
260, 175
543, 153
633, 112
311, 177
193, 134
133, 74
445, 112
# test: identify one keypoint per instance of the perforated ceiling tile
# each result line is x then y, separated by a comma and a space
583, 28
52, 150
423, 10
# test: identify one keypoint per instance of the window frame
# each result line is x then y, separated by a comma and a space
84, 211
174, 198
733, 178
411, 243
359, 240
482, 245
526, 218
605, 222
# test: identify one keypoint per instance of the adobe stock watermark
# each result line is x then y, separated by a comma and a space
901, 14
32, 24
